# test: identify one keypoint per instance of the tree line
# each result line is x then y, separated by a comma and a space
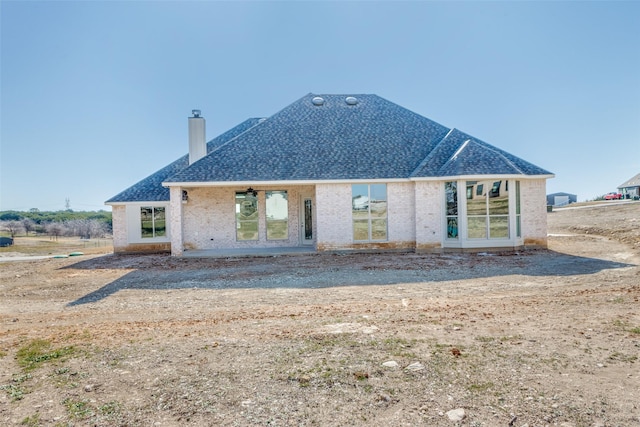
86, 225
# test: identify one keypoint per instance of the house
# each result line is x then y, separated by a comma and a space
561, 199
335, 173
630, 189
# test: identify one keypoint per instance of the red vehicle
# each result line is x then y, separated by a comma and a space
613, 196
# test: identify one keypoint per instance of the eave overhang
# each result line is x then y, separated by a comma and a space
347, 181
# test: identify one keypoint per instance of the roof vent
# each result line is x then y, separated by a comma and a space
317, 100
351, 100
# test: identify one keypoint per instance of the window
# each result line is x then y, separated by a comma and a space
487, 214
152, 222
451, 198
246, 216
369, 212
277, 208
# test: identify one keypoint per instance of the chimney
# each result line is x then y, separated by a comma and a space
197, 140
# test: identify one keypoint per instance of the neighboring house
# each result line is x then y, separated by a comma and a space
337, 173
630, 189
561, 199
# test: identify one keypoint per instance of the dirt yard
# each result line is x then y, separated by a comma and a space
534, 338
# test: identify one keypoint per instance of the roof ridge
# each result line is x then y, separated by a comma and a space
498, 152
428, 157
259, 121
455, 155
483, 145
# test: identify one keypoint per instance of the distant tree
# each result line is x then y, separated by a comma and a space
99, 228
13, 227
28, 225
10, 216
54, 229
86, 228
43, 217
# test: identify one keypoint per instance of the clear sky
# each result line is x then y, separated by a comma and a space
95, 95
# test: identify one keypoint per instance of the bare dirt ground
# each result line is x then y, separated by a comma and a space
533, 338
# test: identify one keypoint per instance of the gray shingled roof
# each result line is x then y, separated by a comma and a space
372, 139
365, 138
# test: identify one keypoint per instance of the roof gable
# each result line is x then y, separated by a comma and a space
460, 154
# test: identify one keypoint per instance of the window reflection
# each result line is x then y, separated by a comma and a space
451, 200
152, 222
277, 211
369, 212
488, 209
246, 216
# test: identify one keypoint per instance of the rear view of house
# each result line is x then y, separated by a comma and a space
335, 173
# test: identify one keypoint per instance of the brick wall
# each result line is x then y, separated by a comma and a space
401, 212
119, 218
429, 197
333, 213
175, 225
533, 199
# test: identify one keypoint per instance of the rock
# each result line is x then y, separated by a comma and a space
384, 397
456, 414
89, 388
415, 366
390, 364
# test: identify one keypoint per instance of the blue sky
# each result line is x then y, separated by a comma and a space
95, 95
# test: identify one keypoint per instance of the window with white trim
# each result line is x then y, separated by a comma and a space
488, 209
277, 213
451, 200
369, 212
246, 216
153, 222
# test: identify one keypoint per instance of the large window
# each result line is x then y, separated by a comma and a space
152, 222
277, 215
246, 216
369, 212
488, 209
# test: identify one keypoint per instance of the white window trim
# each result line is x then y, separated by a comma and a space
463, 241
134, 233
